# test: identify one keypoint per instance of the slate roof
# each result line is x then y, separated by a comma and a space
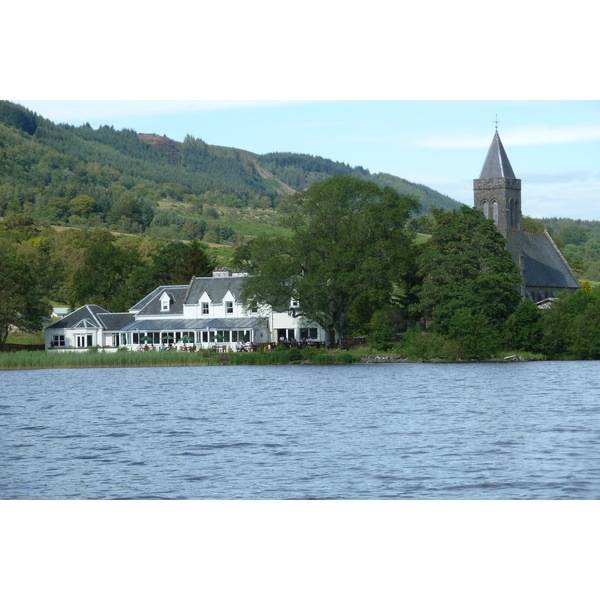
497, 165
96, 316
115, 321
87, 311
544, 265
191, 324
215, 287
150, 305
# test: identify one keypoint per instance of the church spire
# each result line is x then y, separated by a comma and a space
496, 165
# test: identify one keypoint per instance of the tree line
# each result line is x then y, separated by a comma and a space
352, 261
41, 267
355, 266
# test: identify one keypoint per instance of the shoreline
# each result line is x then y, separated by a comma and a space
116, 360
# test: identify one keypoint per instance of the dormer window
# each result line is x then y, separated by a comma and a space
294, 304
229, 307
205, 308
165, 302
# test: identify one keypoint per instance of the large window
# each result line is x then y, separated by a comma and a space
58, 341
242, 335
309, 333
85, 340
154, 335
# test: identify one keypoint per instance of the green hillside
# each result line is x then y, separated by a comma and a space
143, 183
300, 171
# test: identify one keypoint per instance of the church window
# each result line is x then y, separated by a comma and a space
485, 208
495, 211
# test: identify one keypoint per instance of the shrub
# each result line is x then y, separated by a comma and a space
346, 358
382, 338
418, 344
323, 358
294, 355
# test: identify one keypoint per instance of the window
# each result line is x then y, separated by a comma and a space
164, 304
495, 209
205, 308
85, 340
58, 341
295, 304
484, 208
309, 332
155, 335
229, 307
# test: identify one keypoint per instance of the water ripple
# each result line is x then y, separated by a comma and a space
409, 431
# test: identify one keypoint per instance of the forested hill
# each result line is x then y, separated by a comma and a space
299, 171
140, 182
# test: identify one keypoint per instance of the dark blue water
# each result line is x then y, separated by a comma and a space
372, 431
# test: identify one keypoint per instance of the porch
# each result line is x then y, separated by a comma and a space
221, 335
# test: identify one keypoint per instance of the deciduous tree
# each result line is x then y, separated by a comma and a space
465, 265
348, 237
23, 304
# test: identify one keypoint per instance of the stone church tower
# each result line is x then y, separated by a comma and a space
497, 193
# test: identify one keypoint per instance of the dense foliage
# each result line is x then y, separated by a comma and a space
75, 266
344, 247
470, 281
300, 171
144, 183
349, 238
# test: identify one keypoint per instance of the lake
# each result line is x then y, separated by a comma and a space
528, 430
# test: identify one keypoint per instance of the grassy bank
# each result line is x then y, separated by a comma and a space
124, 358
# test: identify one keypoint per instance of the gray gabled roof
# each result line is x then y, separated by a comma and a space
496, 165
543, 263
215, 287
94, 316
150, 305
115, 321
87, 312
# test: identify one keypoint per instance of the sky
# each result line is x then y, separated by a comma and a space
553, 146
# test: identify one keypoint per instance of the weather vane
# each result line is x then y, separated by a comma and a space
496, 122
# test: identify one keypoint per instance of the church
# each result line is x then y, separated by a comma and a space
498, 195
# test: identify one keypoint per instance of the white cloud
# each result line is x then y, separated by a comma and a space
538, 134
527, 135
560, 177
572, 201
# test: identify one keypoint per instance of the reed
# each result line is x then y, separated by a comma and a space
99, 359
94, 358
